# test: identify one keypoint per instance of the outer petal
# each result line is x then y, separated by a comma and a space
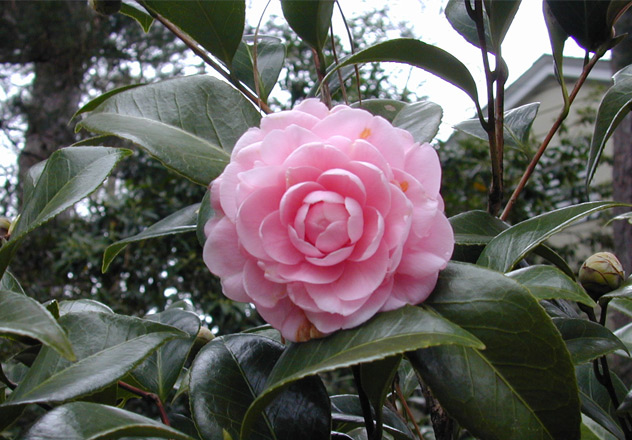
223, 257
250, 216
422, 162
347, 122
262, 292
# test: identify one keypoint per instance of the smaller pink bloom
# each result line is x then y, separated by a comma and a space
325, 217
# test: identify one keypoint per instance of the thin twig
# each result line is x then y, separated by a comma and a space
149, 396
409, 413
558, 122
342, 84
352, 45
191, 44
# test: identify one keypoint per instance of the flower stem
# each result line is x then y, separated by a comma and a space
192, 44
148, 396
558, 122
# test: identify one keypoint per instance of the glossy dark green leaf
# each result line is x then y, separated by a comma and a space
625, 335
590, 23
624, 292
595, 399
310, 20
377, 378
517, 124
160, 371
70, 421
512, 245
215, 25
346, 412
419, 54
9, 282
587, 340
460, 20
231, 371
387, 334
108, 346
184, 220
548, 282
557, 37
204, 214
614, 106
23, 316
525, 368
190, 124
501, 15
268, 55
69, 175
421, 119
142, 18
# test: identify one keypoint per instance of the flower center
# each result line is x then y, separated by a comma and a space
326, 226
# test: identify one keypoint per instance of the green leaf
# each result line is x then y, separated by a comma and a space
419, 54
190, 124
517, 123
501, 14
230, 372
269, 58
184, 153
614, 107
160, 371
310, 20
547, 282
512, 245
377, 379
460, 20
179, 222
346, 412
386, 108
215, 25
591, 430
69, 175
587, 340
625, 334
387, 334
623, 292
588, 22
83, 305
525, 368
108, 346
23, 316
204, 214
596, 402
94, 103
557, 37
421, 119
142, 18
69, 421
9, 282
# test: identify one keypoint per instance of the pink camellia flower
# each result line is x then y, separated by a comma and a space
325, 217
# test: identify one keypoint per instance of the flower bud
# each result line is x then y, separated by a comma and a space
601, 273
5, 227
105, 7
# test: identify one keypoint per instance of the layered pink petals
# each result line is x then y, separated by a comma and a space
325, 217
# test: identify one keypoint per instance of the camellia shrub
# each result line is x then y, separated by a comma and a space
328, 218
